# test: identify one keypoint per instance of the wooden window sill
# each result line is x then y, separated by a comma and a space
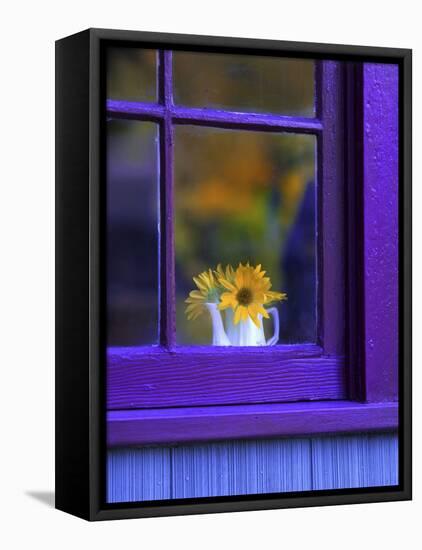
181, 425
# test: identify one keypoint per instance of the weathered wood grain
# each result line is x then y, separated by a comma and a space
252, 467
139, 474
369, 460
241, 467
140, 427
145, 378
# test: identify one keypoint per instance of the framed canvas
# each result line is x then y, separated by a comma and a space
233, 274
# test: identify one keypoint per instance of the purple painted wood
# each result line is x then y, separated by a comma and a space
380, 173
134, 110
167, 259
331, 209
247, 421
246, 121
212, 117
165, 77
152, 378
354, 183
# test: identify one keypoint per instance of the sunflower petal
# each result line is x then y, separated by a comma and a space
238, 278
200, 284
263, 311
229, 273
229, 286
227, 299
196, 294
237, 314
255, 320
244, 313
272, 296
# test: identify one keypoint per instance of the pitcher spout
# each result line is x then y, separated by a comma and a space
219, 336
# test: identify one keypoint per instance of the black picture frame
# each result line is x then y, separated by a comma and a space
80, 405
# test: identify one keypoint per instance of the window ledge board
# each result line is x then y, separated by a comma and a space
181, 425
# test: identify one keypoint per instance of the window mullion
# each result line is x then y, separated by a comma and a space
167, 260
331, 311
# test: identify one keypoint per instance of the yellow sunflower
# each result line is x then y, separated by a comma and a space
247, 290
208, 291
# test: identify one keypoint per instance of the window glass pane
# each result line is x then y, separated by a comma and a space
244, 83
131, 74
246, 197
132, 233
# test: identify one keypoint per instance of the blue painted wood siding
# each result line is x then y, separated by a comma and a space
250, 467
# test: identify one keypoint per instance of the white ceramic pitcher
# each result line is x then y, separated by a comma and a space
245, 333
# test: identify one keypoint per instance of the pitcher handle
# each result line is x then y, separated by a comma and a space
276, 320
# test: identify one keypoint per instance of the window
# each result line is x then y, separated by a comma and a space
164, 383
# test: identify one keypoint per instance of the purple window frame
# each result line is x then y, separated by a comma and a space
170, 394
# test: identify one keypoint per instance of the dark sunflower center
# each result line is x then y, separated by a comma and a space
244, 296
